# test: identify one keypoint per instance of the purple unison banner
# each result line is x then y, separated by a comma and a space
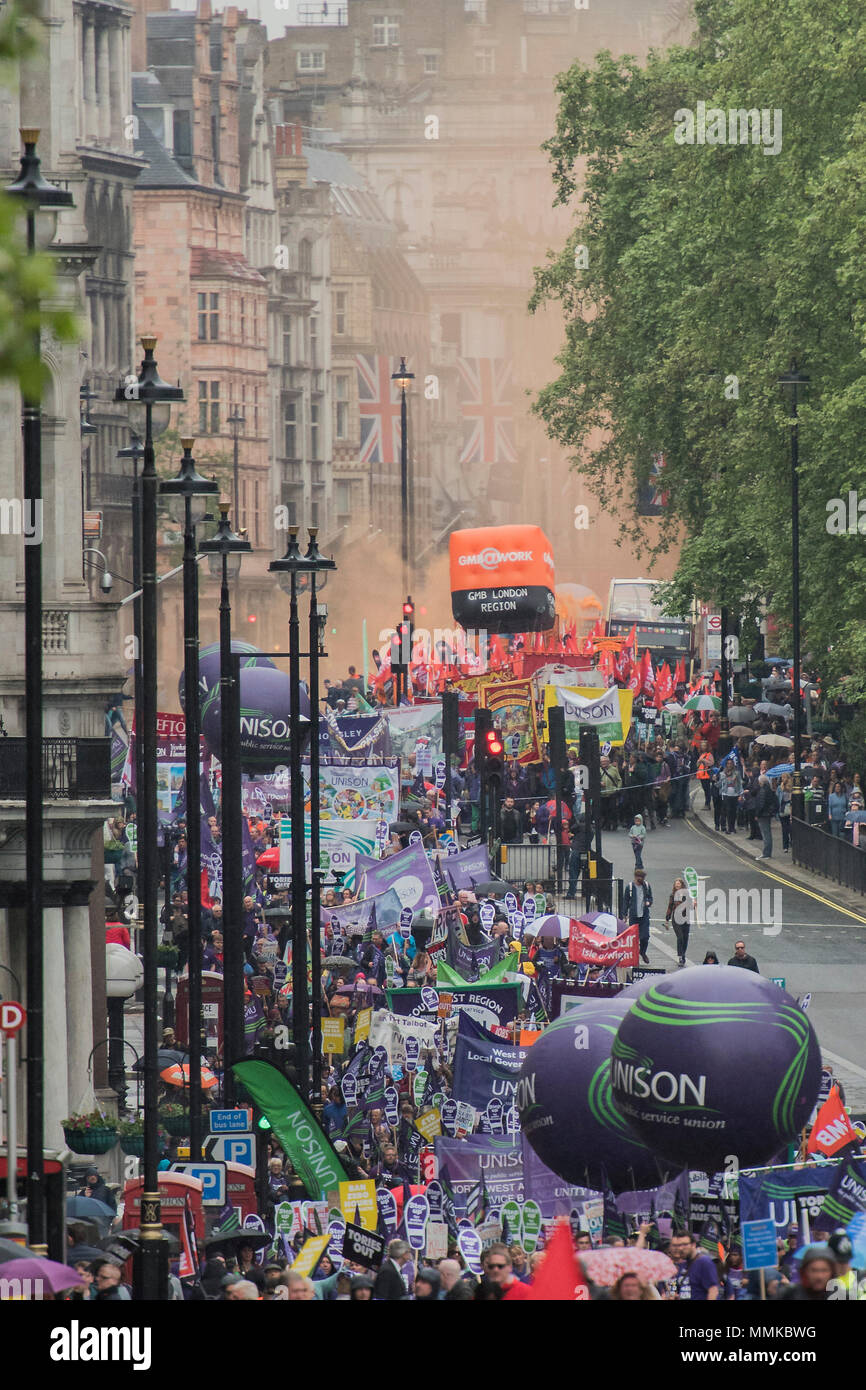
485, 1067
469, 866
491, 1006
408, 874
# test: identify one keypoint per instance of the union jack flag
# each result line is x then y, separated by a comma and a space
651, 496
379, 409
485, 402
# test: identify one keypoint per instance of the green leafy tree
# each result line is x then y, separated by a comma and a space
709, 267
26, 282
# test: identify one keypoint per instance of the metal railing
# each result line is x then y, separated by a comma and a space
323, 14
73, 769
828, 855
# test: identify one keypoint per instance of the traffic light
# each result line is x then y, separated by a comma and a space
494, 752
409, 609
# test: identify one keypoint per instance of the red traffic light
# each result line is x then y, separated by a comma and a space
494, 743
408, 609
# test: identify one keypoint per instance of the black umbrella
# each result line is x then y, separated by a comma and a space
401, 827
122, 1244
85, 1252
166, 1057
257, 1239
10, 1250
489, 889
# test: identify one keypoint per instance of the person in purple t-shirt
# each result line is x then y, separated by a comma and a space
698, 1278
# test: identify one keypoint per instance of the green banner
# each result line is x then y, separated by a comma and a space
310, 1153
447, 975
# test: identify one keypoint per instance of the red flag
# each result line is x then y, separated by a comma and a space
832, 1129
648, 679
680, 672
560, 1276
630, 644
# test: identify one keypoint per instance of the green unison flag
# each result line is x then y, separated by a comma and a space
310, 1153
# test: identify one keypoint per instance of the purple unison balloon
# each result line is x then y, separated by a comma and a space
209, 670
265, 723
566, 1108
712, 1063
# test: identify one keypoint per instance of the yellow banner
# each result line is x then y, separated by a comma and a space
429, 1123
310, 1253
362, 1025
360, 1196
606, 711
333, 1031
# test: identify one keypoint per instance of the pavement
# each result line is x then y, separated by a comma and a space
797, 926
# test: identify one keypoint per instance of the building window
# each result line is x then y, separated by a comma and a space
243, 319
256, 505
255, 410
431, 64
314, 513
208, 317
386, 30
287, 340
290, 428
182, 134
314, 340
208, 407
314, 430
485, 62
343, 498
341, 306
305, 257
290, 502
341, 407
311, 60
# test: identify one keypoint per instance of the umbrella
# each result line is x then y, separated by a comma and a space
257, 1239
610, 1262
673, 708
10, 1250
554, 924
780, 770
269, 858
855, 817
340, 963
84, 1252
741, 731
704, 702
778, 661
402, 827
744, 713
495, 885
774, 711
165, 1057
122, 1244
52, 1275
775, 740
605, 923
178, 1075
359, 985
89, 1209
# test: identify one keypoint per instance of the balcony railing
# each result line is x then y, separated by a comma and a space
73, 769
111, 489
329, 13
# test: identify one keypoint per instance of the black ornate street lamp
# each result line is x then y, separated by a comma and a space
225, 552
402, 379
149, 400
42, 201
793, 380
188, 495
236, 420
135, 451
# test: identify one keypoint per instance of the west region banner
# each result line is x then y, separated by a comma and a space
606, 711
339, 840
409, 874
513, 706
309, 1151
485, 1068
784, 1193
492, 1006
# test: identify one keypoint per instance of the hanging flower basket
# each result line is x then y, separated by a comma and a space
167, 956
132, 1137
175, 1121
90, 1134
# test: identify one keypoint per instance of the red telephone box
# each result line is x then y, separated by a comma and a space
182, 1214
212, 1009
241, 1189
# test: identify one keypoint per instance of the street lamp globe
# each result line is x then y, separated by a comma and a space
226, 547
42, 199
148, 390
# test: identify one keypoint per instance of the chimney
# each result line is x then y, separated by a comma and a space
138, 30
290, 165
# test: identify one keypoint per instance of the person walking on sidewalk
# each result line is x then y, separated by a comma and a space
784, 795
638, 901
766, 806
732, 790
680, 914
637, 835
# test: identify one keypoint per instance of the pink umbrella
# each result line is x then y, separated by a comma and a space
40, 1273
610, 1262
269, 858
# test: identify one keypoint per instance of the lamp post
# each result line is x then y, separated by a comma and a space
225, 552
149, 396
135, 452
188, 495
794, 379
43, 200
87, 427
317, 563
288, 569
236, 420
402, 378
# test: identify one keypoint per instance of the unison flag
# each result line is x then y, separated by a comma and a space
847, 1194
310, 1153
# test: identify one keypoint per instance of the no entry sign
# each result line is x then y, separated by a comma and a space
12, 1016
